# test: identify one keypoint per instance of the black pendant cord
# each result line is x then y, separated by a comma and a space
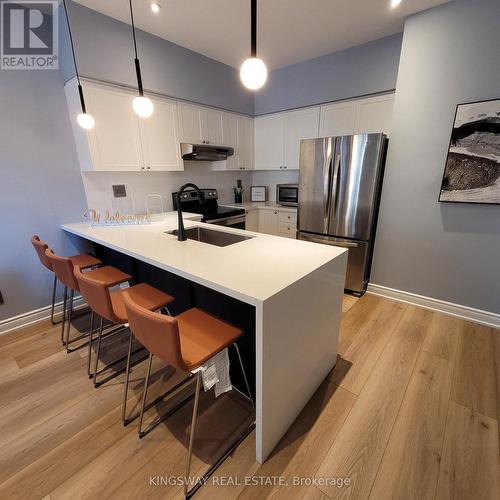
253, 23
80, 90
136, 60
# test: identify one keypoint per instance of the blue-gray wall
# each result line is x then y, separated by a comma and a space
40, 185
105, 52
450, 54
365, 69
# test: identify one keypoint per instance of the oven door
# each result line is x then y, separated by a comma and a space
236, 221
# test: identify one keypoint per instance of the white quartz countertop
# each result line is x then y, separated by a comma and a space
252, 270
265, 205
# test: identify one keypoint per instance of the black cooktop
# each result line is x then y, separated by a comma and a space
210, 210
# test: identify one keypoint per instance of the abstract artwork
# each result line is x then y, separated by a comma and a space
472, 171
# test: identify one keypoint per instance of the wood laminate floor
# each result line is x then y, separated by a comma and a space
410, 412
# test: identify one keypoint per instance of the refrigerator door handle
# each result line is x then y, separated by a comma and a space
335, 181
326, 241
327, 175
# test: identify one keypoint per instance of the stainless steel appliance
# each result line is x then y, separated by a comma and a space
211, 211
287, 194
340, 182
205, 152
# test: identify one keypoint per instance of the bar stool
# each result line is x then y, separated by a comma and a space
109, 305
83, 260
186, 342
63, 269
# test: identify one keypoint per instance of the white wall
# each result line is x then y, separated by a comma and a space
273, 177
450, 55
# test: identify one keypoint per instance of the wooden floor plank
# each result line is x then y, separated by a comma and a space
302, 450
443, 336
366, 347
410, 465
474, 383
357, 451
61, 438
470, 466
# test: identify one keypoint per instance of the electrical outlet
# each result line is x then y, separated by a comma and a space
119, 191
1, 299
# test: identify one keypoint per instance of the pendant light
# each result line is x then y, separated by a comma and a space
142, 105
84, 119
253, 72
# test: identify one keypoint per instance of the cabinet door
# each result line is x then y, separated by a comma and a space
245, 143
230, 130
192, 120
214, 132
115, 139
337, 119
303, 124
269, 142
268, 221
374, 115
160, 139
252, 220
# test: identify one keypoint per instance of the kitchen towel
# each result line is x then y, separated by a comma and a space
216, 372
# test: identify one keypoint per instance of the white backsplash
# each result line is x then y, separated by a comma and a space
140, 184
273, 177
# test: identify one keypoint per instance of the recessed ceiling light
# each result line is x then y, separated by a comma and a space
156, 7
395, 3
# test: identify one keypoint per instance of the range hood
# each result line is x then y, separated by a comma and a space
205, 152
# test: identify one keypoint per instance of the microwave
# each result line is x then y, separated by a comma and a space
287, 194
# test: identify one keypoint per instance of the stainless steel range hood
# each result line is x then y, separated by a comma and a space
205, 152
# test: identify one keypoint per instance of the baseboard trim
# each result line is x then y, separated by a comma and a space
36, 316
464, 312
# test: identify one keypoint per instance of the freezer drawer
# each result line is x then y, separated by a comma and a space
358, 259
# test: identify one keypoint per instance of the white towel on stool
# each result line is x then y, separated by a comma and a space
216, 372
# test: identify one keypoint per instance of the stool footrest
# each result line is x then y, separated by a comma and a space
220, 461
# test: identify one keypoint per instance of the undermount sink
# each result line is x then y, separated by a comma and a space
212, 236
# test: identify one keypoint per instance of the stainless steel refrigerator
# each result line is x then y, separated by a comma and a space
339, 192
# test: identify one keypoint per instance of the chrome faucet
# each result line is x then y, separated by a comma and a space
181, 233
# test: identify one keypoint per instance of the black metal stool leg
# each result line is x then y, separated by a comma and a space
91, 339
99, 339
244, 374
70, 315
54, 289
144, 395
63, 321
127, 375
191, 434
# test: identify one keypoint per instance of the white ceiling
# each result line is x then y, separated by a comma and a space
289, 31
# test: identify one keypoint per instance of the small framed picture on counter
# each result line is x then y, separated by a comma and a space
258, 193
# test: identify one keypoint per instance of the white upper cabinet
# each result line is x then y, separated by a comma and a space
374, 115
120, 140
361, 116
214, 133
302, 124
278, 136
337, 119
201, 125
192, 128
237, 132
269, 141
161, 150
114, 141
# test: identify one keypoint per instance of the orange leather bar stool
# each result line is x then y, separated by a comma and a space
186, 342
109, 305
63, 269
83, 260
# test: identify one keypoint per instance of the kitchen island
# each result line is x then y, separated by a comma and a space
295, 288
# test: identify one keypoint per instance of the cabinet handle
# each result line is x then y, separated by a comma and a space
275, 213
148, 168
142, 168
208, 142
284, 166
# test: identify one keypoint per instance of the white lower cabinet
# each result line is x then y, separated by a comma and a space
272, 221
